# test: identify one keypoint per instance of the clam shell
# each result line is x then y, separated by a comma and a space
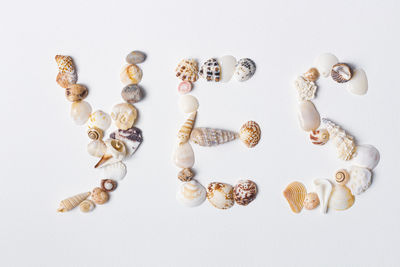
244, 192
186, 129
97, 148
80, 112
308, 116
210, 70
228, 66
95, 133
188, 103
66, 79
311, 201
324, 63
360, 179
76, 92
245, 69
124, 115
99, 196
132, 138
323, 188
311, 75
183, 156
132, 93
358, 84
108, 185
115, 171
99, 119
191, 194
116, 151
295, 194
65, 64
211, 137
220, 195
135, 57
341, 198
185, 175
187, 70
367, 156
341, 73
184, 87
344, 142
305, 89
250, 133
319, 137
131, 74
342, 177
72, 202
86, 206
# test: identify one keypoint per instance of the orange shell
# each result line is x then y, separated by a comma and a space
295, 193
65, 64
250, 133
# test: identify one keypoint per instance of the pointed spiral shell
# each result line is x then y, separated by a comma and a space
186, 129
65, 64
72, 202
211, 137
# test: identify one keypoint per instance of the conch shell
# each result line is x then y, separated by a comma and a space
187, 70
295, 193
211, 137
72, 202
323, 188
124, 115
186, 129
115, 152
65, 64
344, 143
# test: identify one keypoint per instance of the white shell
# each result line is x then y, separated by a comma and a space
96, 148
188, 103
305, 89
341, 198
358, 84
80, 112
99, 119
323, 188
324, 63
115, 171
308, 116
228, 65
360, 179
344, 142
124, 115
366, 156
245, 69
191, 193
183, 156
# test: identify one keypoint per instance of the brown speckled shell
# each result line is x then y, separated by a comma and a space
99, 196
65, 64
186, 175
220, 195
311, 201
341, 73
76, 92
187, 70
250, 133
210, 70
244, 192
66, 79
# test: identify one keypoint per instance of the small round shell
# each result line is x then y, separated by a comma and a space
80, 112
132, 93
99, 119
86, 206
341, 73
95, 133
244, 192
311, 75
342, 177
245, 69
99, 196
97, 148
131, 74
76, 92
66, 79
124, 115
250, 133
186, 175
220, 195
108, 185
319, 137
184, 87
311, 201
188, 103
135, 57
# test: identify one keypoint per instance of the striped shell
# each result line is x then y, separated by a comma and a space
344, 143
65, 64
342, 177
341, 73
186, 129
211, 137
72, 202
250, 133
295, 193
244, 192
210, 70
319, 137
191, 194
187, 70
220, 195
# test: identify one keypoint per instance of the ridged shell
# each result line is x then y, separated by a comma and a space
191, 194
319, 137
244, 192
311, 75
80, 112
124, 115
97, 148
360, 179
305, 89
183, 156
342, 177
99, 119
211, 137
86, 206
220, 195
344, 143
131, 74
323, 188
341, 198
99, 196
311, 201
187, 70
341, 73
116, 151
210, 70
132, 138
66, 79
115, 171
245, 69
186, 129
65, 64
250, 133
95, 133
72, 202
295, 194
76, 92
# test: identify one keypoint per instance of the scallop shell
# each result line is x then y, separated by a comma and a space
132, 139
188, 103
311, 75
186, 129
210, 70
80, 112
308, 116
220, 195
341, 198
319, 137
323, 188
324, 63
65, 64
211, 137
99, 196
295, 194
184, 87
97, 148
358, 84
95, 133
342, 177
360, 179
76, 92
115, 171
183, 156
344, 143
66, 79
367, 156
250, 133
124, 115
99, 119
245, 69
185, 175
72, 202
86, 206
115, 152
228, 65
132, 93
108, 185
187, 70
341, 73
244, 192
131, 74
305, 89
311, 201
135, 57
191, 193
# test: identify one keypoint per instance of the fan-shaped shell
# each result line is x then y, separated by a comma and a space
245, 69
341, 73
305, 89
132, 138
210, 70
191, 193
295, 194
131, 74
211, 137
187, 70
72, 202
65, 64
220, 195
244, 192
124, 115
99, 119
341, 198
360, 179
344, 143
250, 133
186, 129
319, 137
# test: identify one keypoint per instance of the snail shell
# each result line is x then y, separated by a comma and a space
108, 185
95, 133
131, 74
99, 196
86, 206
97, 148
311, 201
99, 119
65, 64
115, 152
319, 137
66, 79
186, 129
76, 92
341, 73
342, 177
250, 133
124, 115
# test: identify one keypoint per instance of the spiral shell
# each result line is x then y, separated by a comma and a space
341, 73
311, 201
86, 206
115, 152
244, 192
131, 74
250, 133
76, 92
220, 195
99, 196
319, 137
65, 64
305, 89
187, 70
210, 70
66, 79
344, 143
311, 75
124, 115
186, 129
72, 202
132, 138
342, 177
211, 137
95, 133
186, 175
108, 185
99, 119
97, 148
295, 194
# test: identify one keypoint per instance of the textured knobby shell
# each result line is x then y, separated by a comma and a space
305, 89
367, 156
99, 119
76, 92
135, 57
124, 115
228, 65
99, 196
183, 156
319, 137
131, 74
108, 185
211, 137
72, 202
360, 179
132, 93
323, 188
65, 64
95, 133
311, 75
210, 70
324, 63
115, 171
66, 79
220, 195
116, 151
187, 70
132, 138
186, 129
245, 69
344, 143
80, 112
244, 192
341, 73
185, 174
308, 116
86, 205
342, 177
250, 133
358, 84
341, 198
188, 103
311, 201
97, 148
191, 193
295, 194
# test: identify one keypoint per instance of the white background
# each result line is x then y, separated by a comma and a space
44, 159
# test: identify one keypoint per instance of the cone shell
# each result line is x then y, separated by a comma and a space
65, 64
131, 74
66, 79
72, 202
124, 115
250, 133
244, 192
187, 70
344, 143
186, 129
211, 137
305, 89
220, 195
319, 137
191, 193
295, 194
210, 70
341, 198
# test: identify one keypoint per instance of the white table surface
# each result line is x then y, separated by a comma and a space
44, 159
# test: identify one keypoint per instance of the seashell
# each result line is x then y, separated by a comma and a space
76, 92
319, 137
185, 174
66, 79
186, 129
97, 148
324, 63
308, 116
80, 112
99, 119
135, 57
358, 84
72, 202
65, 64
99, 196
341, 73
191, 193
360, 179
244, 192
115, 171
183, 156
311, 75
95, 133
132, 93
184, 87
210, 70
367, 156
115, 152
342, 177
228, 66
341, 198
132, 139
211, 137
131, 74
305, 89
187, 70
323, 188
220, 195
245, 69
188, 103
344, 143
250, 133
108, 185
295, 194
86, 206
124, 115
311, 201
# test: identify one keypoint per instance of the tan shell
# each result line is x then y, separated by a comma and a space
131, 74
86, 205
341, 73
220, 195
186, 129
124, 115
295, 193
72, 202
95, 133
66, 79
342, 177
311, 75
187, 70
211, 137
76, 92
186, 175
319, 137
65, 64
108, 185
341, 198
99, 196
311, 201
250, 133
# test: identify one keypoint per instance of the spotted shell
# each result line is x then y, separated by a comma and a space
244, 192
76, 92
66, 79
341, 73
185, 175
131, 74
99, 119
342, 177
108, 185
295, 193
124, 115
99, 196
311, 201
187, 70
95, 133
65, 64
211, 137
319, 137
220, 195
250, 133
211, 70
245, 69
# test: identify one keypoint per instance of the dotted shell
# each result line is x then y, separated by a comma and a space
295, 193
220, 195
245, 69
187, 70
250, 133
65, 64
319, 137
244, 192
99, 119
99, 196
211, 71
